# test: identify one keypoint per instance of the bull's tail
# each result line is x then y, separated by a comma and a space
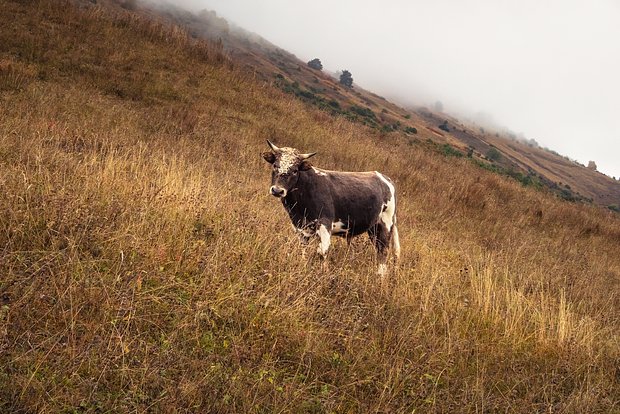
395, 242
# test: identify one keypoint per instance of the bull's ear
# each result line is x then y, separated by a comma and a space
269, 156
305, 165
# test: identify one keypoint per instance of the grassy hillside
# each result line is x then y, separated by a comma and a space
144, 268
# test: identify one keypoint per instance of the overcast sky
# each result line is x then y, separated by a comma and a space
548, 69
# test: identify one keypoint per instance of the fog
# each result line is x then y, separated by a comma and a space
546, 69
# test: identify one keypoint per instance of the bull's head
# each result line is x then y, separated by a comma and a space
287, 164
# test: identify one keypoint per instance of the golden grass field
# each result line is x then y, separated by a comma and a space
144, 268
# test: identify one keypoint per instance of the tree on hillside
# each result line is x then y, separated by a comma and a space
346, 79
439, 106
316, 64
592, 165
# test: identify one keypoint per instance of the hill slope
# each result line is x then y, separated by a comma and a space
524, 161
144, 268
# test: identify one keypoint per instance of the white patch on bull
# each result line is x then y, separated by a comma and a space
339, 227
382, 269
388, 209
318, 171
288, 158
324, 235
395, 242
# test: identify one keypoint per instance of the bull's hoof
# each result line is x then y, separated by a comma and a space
324, 265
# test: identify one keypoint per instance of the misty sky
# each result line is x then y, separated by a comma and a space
548, 69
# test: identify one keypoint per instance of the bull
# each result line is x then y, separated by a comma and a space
324, 203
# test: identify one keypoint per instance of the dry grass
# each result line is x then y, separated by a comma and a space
144, 268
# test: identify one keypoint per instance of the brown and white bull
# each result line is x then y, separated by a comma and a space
323, 203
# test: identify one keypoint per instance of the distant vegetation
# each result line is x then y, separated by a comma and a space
527, 180
493, 154
444, 126
315, 64
450, 151
364, 112
346, 79
354, 113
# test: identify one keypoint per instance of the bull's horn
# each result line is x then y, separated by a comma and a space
273, 147
306, 156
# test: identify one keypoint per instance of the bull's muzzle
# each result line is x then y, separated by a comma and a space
277, 191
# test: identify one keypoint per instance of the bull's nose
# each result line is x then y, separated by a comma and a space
277, 191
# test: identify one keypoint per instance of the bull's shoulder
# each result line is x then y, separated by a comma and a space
383, 177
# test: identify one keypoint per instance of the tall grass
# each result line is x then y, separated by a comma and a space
143, 267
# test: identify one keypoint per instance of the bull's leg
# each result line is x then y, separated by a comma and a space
303, 240
380, 236
304, 236
324, 236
